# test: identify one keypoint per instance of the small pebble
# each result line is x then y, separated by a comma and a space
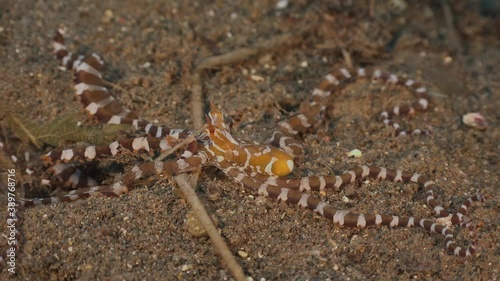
108, 16
146, 65
447, 60
356, 153
257, 78
282, 4
475, 120
243, 254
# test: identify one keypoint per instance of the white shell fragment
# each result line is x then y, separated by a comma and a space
475, 120
356, 153
45, 182
282, 4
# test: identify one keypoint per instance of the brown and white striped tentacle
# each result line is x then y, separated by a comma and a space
138, 144
71, 176
167, 168
67, 60
285, 137
97, 101
310, 113
341, 75
77, 194
343, 217
322, 183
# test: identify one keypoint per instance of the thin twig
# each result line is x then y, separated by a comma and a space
187, 184
371, 9
242, 54
113, 85
339, 43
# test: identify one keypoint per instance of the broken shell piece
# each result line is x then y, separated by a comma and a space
356, 153
475, 120
45, 182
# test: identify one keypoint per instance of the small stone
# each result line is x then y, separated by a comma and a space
356, 153
335, 267
257, 78
447, 59
186, 267
108, 16
282, 4
146, 65
243, 254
